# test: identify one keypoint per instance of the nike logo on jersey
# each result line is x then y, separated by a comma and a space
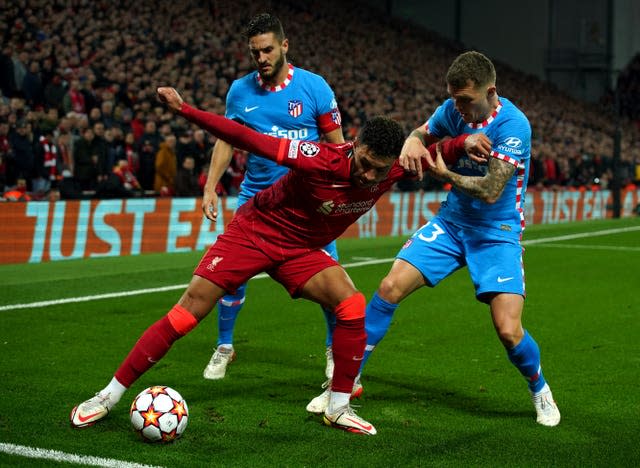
502, 280
249, 109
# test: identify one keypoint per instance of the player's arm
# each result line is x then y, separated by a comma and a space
220, 160
487, 188
335, 136
233, 133
414, 150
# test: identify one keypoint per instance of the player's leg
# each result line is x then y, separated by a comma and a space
497, 272
231, 261
196, 302
430, 255
318, 277
333, 287
524, 354
229, 307
330, 319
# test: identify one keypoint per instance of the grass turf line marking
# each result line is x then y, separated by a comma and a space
55, 455
137, 292
591, 247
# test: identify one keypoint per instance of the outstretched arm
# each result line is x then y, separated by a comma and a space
231, 132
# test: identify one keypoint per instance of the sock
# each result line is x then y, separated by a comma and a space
228, 309
377, 321
115, 390
338, 400
526, 357
154, 344
330, 317
348, 345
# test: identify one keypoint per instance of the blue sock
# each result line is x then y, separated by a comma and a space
377, 321
330, 317
526, 357
228, 309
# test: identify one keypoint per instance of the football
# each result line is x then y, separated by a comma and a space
159, 414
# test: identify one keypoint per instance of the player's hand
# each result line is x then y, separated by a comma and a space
170, 97
437, 166
210, 204
478, 147
411, 155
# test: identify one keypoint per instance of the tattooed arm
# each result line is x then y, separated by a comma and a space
487, 188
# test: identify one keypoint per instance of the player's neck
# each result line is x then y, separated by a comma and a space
279, 77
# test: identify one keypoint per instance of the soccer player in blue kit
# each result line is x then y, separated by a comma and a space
280, 100
479, 225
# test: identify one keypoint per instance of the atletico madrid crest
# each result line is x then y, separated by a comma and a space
295, 108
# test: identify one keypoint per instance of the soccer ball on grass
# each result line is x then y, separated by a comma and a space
159, 414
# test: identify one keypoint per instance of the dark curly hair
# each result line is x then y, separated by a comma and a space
383, 136
262, 24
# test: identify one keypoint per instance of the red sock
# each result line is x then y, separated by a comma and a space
349, 341
154, 344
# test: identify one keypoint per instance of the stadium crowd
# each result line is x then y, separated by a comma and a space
78, 115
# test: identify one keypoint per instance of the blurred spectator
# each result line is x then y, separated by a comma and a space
187, 179
32, 86
18, 193
148, 146
119, 183
70, 188
166, 167
54, 93
74, 99
85, 155
22, 156
7, 80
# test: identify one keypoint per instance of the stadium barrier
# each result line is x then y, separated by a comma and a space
33, 232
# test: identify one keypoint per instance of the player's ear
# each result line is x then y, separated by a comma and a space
491, 91
285, 45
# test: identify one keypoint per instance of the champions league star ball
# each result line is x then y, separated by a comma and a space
159, 414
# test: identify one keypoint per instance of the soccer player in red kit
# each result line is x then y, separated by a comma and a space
281, 231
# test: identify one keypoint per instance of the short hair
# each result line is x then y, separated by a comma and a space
262, 24
471, 66
384, 136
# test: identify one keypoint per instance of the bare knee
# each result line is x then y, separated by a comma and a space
390, 290
510, 336
200, 297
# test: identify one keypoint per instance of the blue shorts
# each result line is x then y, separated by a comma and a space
439, 248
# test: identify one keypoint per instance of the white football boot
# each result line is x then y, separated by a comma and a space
91, 411
328, 370
346, 419
320, 403
547, 411
217, 367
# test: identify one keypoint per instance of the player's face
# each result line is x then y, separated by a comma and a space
368, 169
269, 55
472, 102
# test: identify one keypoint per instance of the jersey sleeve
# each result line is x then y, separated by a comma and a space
513, 142
437, 124
328, 114
303, 155
232, 110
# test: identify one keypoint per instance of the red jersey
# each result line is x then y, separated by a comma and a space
313, 204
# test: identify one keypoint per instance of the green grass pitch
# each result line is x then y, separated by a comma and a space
439, 388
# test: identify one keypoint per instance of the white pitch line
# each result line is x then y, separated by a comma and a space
581, 235
592, 247
137, 292
55, 455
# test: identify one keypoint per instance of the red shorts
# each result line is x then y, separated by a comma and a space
236, 257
